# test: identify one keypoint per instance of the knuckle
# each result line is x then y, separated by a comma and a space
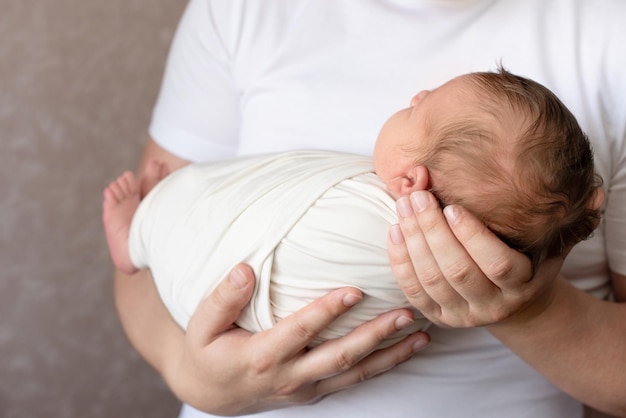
408, 225
500, 269
433, 312
461, 315
300, 397
456, 320
516, 300
429, 225
292, 390
402, 269
430, 277
380, 334
344, 361
301, 331
413, 290
491, 314
459, 272
324, 308
261, 368
500, 314
262, 363
364, 374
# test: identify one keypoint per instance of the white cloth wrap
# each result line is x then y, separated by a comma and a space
306, 221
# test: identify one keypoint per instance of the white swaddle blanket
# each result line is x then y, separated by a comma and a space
306, 222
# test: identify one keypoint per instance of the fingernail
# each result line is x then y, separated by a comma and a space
420, 343
452, 214
403, 322
238, 279
420, 200
351, 299
395, 233
404, 207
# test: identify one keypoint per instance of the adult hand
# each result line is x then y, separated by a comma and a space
226, 370
458, 273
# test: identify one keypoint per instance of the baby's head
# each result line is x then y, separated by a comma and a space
505, 148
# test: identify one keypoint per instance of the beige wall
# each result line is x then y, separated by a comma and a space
78, 79
77, 82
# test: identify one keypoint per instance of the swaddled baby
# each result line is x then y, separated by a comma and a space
307, 222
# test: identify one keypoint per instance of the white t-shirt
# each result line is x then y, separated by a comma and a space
249, 77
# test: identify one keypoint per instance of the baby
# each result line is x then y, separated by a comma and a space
502, 146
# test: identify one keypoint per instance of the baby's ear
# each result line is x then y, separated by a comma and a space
598, 199
418, 179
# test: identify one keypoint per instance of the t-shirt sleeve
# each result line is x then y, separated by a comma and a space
615, 210
196, 115
613, 110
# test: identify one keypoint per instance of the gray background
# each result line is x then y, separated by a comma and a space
78, 79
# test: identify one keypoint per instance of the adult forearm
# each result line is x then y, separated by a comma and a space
147, 323
577, 343
219, 368
163, 344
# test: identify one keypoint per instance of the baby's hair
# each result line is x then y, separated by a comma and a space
520, 162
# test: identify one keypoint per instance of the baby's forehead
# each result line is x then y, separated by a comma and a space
475, 109
464, 97
464, 94
460, 83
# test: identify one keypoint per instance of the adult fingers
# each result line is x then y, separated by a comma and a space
497, 283
376, 363
293, 333
426, 235
342, 354
455, 263
404, 272
509, 270
501, 264
219, 311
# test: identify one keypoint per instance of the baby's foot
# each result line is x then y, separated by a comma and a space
121, 200
154, 173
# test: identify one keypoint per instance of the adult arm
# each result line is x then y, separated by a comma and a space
467, 277
222, 369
